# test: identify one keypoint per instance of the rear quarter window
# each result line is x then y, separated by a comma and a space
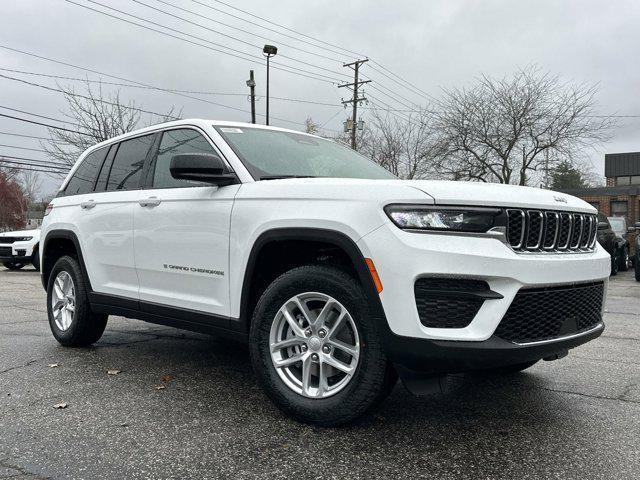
84, 178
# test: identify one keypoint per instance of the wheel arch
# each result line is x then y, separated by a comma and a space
62, 242
305, 234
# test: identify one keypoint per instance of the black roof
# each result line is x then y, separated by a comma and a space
620, 164
603, 191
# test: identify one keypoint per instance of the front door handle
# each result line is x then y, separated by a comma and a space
150, 202
88, 204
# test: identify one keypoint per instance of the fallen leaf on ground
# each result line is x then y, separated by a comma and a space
60, 405
113, 372
166, 378
160, 387
53, 365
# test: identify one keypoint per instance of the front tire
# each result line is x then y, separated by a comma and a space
35, 260
316, 347
71, 320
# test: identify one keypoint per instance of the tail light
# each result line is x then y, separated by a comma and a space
47, 210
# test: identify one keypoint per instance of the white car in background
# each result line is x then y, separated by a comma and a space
20, 248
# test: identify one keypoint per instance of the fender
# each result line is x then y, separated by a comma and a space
67, 235
333, 237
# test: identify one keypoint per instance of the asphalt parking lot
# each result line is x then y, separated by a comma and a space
186, 406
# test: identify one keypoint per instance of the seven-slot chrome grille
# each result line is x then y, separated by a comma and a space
530, 230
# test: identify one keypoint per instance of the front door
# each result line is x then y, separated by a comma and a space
181, 233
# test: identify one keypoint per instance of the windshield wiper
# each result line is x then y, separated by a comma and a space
278, 177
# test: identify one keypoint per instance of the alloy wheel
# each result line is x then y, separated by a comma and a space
314, 345
63, 301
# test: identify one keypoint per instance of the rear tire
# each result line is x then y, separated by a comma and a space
13, 266
71, 320
343, 396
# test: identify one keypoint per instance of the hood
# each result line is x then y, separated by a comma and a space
498, 195
20, 233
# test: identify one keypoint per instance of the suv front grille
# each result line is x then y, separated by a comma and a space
548, 231
538, 314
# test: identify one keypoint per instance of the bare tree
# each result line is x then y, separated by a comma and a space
97, 117
31, 183
404, 145
509, 130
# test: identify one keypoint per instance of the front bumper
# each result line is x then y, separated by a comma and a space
403, 257
17, 252
416, 358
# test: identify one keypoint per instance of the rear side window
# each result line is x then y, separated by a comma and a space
128, 163
85, 175
174, 142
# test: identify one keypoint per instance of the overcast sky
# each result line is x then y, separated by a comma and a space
432, 44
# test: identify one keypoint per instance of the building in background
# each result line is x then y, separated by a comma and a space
35, 214
621, 196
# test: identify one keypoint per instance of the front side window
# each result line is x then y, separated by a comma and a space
175, 142
128, 162
84, 178
277, 154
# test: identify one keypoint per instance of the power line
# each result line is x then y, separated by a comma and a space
257, 47
170, 90
78, 95
39, 170
253, 34
287, 28
41, 57
14, 163
22, 148
251, 58
42, 124
47, 163
263, 27
22, 135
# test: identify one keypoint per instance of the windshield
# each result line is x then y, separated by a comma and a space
276, 154
617, 224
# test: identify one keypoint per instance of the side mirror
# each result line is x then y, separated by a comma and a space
201, 167
603, 225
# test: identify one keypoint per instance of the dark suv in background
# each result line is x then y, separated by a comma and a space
620, 227
611, 242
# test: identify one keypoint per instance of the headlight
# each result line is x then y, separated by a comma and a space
454, 219
23, 239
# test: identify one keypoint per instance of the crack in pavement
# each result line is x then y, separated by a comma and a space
19, 470
30, 362
619, 398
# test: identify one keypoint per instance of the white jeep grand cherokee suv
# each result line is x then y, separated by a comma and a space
340, 276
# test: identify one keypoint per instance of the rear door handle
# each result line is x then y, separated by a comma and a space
150, 202
88, 204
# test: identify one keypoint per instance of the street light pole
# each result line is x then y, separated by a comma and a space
268, 51
251, 83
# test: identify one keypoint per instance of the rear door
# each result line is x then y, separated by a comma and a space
107, 219
182, 233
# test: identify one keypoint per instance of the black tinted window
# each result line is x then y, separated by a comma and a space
85, 175
128, 163
173, 143
101, 184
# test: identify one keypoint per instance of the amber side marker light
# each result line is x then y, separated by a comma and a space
374, 274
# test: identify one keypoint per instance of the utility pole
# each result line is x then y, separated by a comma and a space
252, 86
355, 66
